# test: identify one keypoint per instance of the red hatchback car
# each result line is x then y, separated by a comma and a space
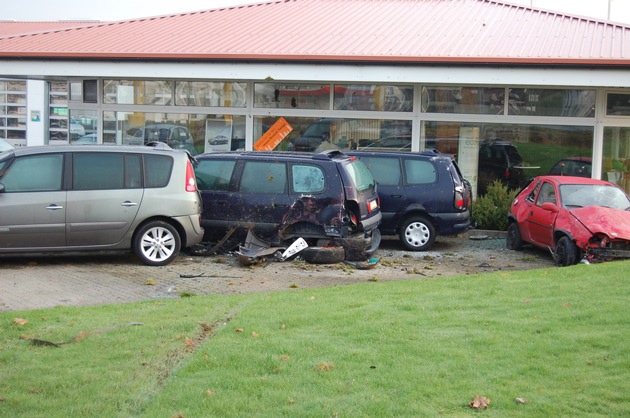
574, 217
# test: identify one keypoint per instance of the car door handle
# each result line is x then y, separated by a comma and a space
54, 206
396, 196
128, 204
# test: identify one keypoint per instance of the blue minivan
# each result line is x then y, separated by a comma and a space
422, 195
328, 199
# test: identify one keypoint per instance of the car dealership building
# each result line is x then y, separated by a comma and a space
383, 74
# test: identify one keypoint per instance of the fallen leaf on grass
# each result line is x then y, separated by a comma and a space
325, 366
520, 400
209, 393
20, 321
479, 402
239, 330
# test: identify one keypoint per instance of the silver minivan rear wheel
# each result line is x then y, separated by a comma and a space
157, 243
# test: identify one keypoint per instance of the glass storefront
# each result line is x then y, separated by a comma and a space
532, 129
197, 133
317, 134
512, 153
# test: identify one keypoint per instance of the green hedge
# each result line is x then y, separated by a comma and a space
490, 210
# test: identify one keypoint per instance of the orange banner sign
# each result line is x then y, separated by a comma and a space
273, 136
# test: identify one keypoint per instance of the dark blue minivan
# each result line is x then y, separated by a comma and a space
422, 195
328, 199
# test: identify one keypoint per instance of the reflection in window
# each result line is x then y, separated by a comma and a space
616, 162
618, 104
549, 102
467, 100
138, 92
373, 97
292, 96
196, 133
317, 134
210, 94
526, 151
84, 127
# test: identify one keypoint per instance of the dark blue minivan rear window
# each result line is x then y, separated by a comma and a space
360, 175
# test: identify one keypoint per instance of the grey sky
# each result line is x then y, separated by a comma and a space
46, 10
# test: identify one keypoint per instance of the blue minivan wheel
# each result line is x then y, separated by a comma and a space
417, 233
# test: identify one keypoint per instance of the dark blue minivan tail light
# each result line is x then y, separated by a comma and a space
460, 201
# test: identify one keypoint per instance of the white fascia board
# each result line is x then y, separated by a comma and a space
425, 74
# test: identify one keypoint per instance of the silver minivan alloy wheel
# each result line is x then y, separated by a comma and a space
157, 243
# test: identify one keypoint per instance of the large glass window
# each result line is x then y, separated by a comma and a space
375, 97
472, 100
58, 112
84, 127
616, 163
618, 104
549, 102
13, 111
510, 153
317, 134
210, 94
292, 96
139, 92
195, 133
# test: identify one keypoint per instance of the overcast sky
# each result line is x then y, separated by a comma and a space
47, 10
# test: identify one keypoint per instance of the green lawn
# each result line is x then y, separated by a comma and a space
559, 338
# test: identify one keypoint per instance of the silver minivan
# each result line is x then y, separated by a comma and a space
99, 197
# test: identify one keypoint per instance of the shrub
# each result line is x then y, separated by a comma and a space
490, 210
